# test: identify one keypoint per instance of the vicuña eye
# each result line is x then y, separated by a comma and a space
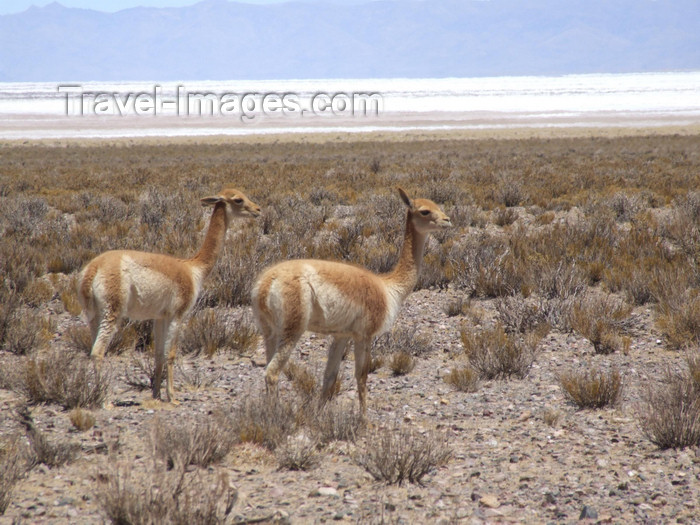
238, 200
425, 212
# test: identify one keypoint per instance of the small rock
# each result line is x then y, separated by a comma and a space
490, 501
525, 416
588, 513
324, 491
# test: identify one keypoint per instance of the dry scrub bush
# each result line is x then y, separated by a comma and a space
678, 319
42, 451
164, 496
265, 420
201, 441
230, 283
193, 376
22, 329
298, 452
336, 421
38, 292
13, 467
303, 381
600, 319
27, 331
404, 340
591, 387
141, 370
464, 379
669, 414
457, 306
693, 360
624, 206
504, 216
132, 334
66, 378
518, 314
401, 363
210, 330
495, 354
395, 455
509, 192
683, 227
558, 279
643, 262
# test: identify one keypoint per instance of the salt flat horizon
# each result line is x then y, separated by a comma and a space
109, 110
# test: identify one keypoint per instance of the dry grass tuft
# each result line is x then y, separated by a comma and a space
302, 380
43, 451
551, 416
600, 319
404, 340
336, 421
679, 320
395, 455
194, 376
464, 379
504, 216
164, 496
13, 467
202, 441
210, 330
141, 370
81, 419
495, 354
693, 360
66, 378
592, 388
401, 363
298, 452
265, 420
669, 414
458, 306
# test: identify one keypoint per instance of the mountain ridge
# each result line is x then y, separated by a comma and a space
221, 40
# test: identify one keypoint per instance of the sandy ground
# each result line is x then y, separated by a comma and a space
131, 129
509, 464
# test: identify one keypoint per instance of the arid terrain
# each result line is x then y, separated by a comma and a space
572, 259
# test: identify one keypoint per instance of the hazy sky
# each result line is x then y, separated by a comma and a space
15, 6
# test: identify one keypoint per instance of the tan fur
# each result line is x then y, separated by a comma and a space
346, 301
142, 285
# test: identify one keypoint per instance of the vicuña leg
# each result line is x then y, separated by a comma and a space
279, 361
159, 328
362, 363
335, 356
171, 346
106, 323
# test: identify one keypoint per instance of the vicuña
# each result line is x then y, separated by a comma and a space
342, 300
140, 285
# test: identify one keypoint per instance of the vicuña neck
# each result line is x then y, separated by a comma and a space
404, 276
213, 241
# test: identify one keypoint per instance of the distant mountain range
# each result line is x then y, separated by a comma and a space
220, 40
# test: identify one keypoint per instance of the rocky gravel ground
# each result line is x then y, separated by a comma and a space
520, 452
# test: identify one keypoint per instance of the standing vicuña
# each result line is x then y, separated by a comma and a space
142, 285
345, 301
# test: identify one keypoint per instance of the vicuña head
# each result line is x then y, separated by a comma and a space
345, 301
142, 285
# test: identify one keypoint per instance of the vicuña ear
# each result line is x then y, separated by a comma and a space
210, 201
404, 196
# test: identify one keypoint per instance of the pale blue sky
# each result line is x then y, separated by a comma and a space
15, 6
